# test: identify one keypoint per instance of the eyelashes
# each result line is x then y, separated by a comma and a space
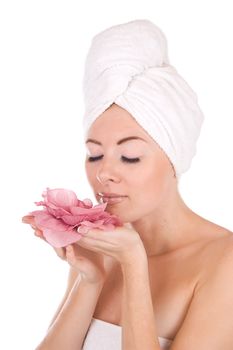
124, 159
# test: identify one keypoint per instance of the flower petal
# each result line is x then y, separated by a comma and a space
45, 220
59, 239
90, 211
88, 202
61, 197
63, 212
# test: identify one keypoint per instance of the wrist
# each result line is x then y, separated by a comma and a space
135, 261
94, 283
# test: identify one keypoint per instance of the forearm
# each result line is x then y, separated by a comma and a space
138, 322
69, 328
59, 308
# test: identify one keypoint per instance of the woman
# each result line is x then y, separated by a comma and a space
164, 279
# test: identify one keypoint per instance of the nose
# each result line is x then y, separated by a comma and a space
107, 173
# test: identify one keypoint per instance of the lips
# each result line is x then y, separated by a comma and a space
110, 195
110, 198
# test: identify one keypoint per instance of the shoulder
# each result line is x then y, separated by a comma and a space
216, 257
220, 244
209, 320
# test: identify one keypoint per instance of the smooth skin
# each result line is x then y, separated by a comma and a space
171, 268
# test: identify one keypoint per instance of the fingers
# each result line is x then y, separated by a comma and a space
83, 229
98, 234
94, 244
38, 233
71, 256
29, 219
61, 253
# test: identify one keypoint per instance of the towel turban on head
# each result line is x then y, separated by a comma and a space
128, 64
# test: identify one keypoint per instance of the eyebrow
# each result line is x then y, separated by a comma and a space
129, 138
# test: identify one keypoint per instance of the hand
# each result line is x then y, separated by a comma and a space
122, 243
29, 219
94, 267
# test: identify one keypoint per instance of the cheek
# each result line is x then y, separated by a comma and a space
151, 183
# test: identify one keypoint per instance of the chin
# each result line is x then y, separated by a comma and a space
121, 214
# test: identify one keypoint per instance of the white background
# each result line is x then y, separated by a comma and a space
43, 47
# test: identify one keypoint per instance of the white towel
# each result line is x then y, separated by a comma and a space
103, 335
128, 64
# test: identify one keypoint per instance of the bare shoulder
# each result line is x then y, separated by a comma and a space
220, 244
211, 301
215, 254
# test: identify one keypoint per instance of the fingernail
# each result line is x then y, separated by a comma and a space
85, 231
81, 229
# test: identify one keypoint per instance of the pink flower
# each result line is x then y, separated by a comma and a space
63, 213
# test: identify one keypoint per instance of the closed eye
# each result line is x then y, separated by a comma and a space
124, 159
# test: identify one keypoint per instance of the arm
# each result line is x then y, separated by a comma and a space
72, 277
138, 321
69, 328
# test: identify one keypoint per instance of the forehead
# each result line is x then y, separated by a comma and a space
114, 123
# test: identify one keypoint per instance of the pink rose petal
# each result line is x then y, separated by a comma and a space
88, 202
61, 197
45, 220
63, 213
59, 239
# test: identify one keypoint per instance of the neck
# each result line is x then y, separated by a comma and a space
169, 227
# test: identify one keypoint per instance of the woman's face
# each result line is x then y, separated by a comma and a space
145, 180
